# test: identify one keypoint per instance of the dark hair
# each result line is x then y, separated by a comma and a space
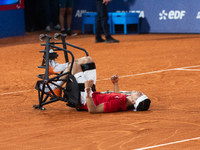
144, 105
131, 107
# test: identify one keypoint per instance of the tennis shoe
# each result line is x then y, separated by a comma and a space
69, 32
48, 29
63, 31
100, 40
111, 40
57, 27
57, 91
56, 67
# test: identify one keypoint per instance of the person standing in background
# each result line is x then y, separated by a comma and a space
66, 7
52, 14
102, 22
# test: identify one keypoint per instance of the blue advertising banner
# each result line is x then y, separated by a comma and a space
168, 16
9, 2
156, 16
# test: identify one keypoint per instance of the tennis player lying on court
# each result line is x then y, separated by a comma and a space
96, 102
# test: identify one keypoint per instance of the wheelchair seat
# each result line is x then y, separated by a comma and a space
71, 92
73, 89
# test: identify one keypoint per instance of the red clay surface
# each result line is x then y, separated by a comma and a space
144, 62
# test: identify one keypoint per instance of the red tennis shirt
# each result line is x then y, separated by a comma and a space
112, 102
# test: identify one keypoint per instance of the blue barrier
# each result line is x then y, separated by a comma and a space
12, 18
12, 23
81, 6
156, 16
124, 19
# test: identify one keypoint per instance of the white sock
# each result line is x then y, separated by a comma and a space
88, 93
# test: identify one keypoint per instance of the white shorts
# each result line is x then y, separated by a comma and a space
81, 77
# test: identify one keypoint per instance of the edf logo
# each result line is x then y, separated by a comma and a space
173, 14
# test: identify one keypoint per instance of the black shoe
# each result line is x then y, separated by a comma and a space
69, 32
111, 40
63, 31
99, 40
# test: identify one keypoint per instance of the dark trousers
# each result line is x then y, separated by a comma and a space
51, 14
102, 20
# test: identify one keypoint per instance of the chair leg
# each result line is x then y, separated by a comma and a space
113, 29
125, 29
83, 31
110, 28
94, 28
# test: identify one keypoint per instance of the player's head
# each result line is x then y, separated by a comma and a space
140, 101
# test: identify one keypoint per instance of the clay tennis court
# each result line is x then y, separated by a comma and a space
166, 67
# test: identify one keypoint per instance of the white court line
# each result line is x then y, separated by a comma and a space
183, 68
168, 143
14, 92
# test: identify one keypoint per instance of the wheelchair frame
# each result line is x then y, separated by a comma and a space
45, 80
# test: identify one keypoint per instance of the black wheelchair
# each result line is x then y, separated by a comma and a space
71, 92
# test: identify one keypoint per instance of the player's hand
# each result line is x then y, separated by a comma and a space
89, 83
115, 79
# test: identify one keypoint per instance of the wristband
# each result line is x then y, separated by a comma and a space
88, 93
